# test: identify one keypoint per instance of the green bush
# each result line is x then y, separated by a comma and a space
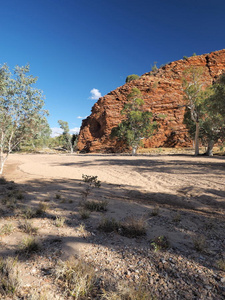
131, 77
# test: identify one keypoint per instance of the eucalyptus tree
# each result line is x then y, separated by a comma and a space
137, 124
194, 94
21, 109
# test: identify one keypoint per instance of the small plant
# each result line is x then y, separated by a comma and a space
19, 195
155, 211
185, 57
6, 229
177, 218
76, 278
91, 183
109, 225
200, 243
29, 213
160, 243
58, 196
133, 227
27, 227
59, 221
84, 213
95, 205
221, 264
29, 245
9, 277
42, 207
130, 292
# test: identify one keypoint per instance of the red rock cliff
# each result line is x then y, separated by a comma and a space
162, 92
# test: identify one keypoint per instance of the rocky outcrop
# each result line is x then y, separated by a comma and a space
163, 95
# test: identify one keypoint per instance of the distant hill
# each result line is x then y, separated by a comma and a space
162, 92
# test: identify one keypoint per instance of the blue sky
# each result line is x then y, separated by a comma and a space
81, 49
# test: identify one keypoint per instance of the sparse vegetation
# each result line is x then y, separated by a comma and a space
91, 183
133, 226
155, 211
84, 213
160, 243
109, 225
177, 218
95, 205
131, 77
6, 229
29, 245
130, 292
221, 264
59, 221
9, 277
200, 243
76, 278
27, 227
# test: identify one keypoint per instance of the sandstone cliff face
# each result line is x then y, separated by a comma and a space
162, 92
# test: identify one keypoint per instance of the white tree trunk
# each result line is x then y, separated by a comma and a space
209, 150
197, 139
134, 150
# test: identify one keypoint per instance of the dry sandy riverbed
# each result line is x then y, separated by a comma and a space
187, 194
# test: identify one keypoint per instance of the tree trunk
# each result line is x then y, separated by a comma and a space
196, 138
209, 150
134, 150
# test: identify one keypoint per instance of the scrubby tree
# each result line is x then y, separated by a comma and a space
131, 77
194, 94
21, 109
69, 141
213, 124
137, 124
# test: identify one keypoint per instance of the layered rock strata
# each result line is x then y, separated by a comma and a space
163, 95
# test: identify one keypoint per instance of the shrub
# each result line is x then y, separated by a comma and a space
6, 229
199, 243
95, 205
84, 213
59, 221
133, 227
221, 264
131, 77
155, 211
27, 227
130, 292
160, 243
29, 245
108, 225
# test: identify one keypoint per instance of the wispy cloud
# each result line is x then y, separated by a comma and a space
57, 131
79, 117
75, 130
95, 94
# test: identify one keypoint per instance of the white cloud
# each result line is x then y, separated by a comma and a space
95, 94
75, 130
79, 117
57, 131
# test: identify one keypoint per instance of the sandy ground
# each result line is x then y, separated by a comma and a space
188, 191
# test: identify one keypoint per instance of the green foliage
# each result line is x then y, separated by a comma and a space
185, 57
21, 109
160, 243
154, 68
131, 77
137, 124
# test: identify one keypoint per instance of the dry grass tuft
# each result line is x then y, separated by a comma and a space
9, 277
133, 227
29, 245
76, 278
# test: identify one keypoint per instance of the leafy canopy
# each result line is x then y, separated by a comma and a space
137, 123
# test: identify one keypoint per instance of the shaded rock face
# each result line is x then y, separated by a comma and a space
163, 95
